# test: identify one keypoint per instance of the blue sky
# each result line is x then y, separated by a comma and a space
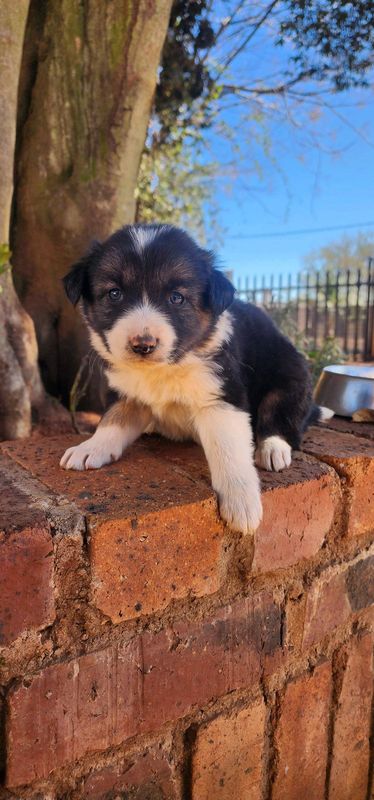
324, 191
304, 187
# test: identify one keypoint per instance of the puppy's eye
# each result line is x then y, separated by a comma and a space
115, 294
176, 298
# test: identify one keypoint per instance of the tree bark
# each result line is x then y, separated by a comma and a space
82, 124
20, 384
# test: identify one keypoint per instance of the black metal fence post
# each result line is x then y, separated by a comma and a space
337, 305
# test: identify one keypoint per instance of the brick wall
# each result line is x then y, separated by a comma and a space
148, 653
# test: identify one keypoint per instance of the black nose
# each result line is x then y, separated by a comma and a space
143, 345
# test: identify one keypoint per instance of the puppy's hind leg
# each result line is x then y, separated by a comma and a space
119, 428
273, 454
279, 427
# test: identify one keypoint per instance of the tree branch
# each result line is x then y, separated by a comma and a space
234, 53
282, 88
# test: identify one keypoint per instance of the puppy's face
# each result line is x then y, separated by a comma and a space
148, 294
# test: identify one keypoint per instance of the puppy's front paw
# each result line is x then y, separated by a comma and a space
241, 508
101, 449
273, 454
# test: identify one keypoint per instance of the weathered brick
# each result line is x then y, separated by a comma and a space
155, 534
66, 711
228, 756
26, 564
364, 430
140, 565
144, 775
26, 583
101, 699
353, 459
162, 491
196, 662
360, 583
351, 749
301, 737
299, 507
334, 596
327, 606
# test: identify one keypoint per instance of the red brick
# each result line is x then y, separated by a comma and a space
144, 775
227, 760
26, 583
360, 583
335, 595
351, 748
301, 737
139, 566
26, 565
101, 699
155, 534
141, 482
196, 662
299, 507
364, 430
161, 490
353, 459
185, 457
66, 711
327, 607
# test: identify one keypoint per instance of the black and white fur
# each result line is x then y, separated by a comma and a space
189, 361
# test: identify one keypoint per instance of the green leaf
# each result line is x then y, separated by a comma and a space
5, 255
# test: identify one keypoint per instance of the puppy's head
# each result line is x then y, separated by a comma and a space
149, 294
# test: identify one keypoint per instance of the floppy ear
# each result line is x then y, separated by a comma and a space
220, 292
74, 280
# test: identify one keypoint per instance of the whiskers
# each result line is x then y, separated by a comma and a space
94, 361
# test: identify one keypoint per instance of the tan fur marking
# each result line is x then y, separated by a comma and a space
125, 411
119, 428
222, 333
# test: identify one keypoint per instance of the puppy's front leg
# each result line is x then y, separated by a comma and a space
226, 436
119, 427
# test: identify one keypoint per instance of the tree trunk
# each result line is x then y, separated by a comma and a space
82, 124
20, 384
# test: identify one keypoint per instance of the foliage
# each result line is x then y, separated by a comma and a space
5, 255
329, 353
337, 264
325, 47
173, 185
318, 357
186, 86
333, 40
348, 252
79, 389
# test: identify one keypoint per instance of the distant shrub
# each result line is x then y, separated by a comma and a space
330, 352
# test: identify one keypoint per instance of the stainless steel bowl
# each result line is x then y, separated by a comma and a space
346, 388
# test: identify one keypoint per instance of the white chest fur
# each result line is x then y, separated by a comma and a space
174, 392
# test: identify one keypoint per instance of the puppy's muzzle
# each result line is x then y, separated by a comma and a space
143, 345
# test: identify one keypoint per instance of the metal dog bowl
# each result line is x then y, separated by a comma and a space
346, 388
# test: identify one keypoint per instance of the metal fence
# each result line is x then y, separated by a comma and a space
335, 305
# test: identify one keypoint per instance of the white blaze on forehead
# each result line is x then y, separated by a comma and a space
142, 319
141, 237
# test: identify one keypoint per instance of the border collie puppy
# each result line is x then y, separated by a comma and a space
190, 362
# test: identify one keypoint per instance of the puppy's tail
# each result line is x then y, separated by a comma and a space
325, 413
318, 414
